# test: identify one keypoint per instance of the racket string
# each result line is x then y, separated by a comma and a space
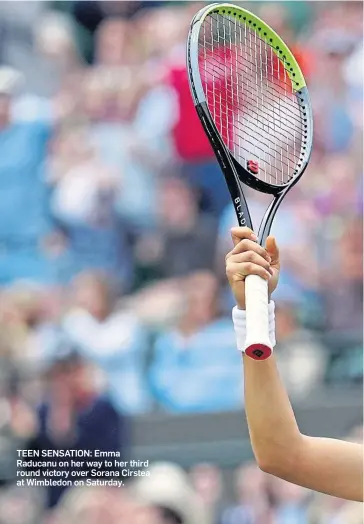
217, 67
250, 97
225, 128
287, 81
283, 113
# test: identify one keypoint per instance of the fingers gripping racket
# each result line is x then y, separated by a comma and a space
253, 103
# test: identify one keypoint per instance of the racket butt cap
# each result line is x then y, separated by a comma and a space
258, 351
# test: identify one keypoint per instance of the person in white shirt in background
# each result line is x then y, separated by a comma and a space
111, 338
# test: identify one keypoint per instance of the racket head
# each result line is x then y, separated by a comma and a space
251, 97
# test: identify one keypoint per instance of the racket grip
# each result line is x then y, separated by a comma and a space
257, 345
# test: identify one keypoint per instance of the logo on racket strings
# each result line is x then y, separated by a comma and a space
253, 166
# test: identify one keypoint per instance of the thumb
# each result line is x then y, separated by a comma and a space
272, 249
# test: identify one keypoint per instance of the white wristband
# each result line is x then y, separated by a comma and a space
239, 320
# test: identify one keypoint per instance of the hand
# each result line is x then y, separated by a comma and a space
249, 258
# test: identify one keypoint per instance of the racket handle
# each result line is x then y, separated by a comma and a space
258, 345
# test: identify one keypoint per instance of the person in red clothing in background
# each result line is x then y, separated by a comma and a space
198, 162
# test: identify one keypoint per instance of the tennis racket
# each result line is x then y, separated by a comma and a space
253, 103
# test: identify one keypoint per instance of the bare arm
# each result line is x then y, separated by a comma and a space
331, 466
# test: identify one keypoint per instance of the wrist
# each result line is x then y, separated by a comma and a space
239, 320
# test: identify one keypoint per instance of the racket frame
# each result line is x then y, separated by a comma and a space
235, 174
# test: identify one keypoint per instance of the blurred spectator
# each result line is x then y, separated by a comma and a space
192, 148
83, 208
22, 188
348, 289
344, 325
330, 510
17, 420
290, 501
185, 239
158, 305
189, 237
195, 366
300, 355
252, 498
207, 482
100, 505
88, 15
199, 166
28, 324
111, 338
171, 494
126, 128
73, 415
114, 43
54, 57
331, 201
333, 122
21, 506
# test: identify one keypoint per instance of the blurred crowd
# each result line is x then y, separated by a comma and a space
175, 496
114, 224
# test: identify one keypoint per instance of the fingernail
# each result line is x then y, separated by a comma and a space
253, 236
268, 275
270, 271
269, 259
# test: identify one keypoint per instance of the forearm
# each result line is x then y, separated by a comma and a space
273, 429
331, 466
